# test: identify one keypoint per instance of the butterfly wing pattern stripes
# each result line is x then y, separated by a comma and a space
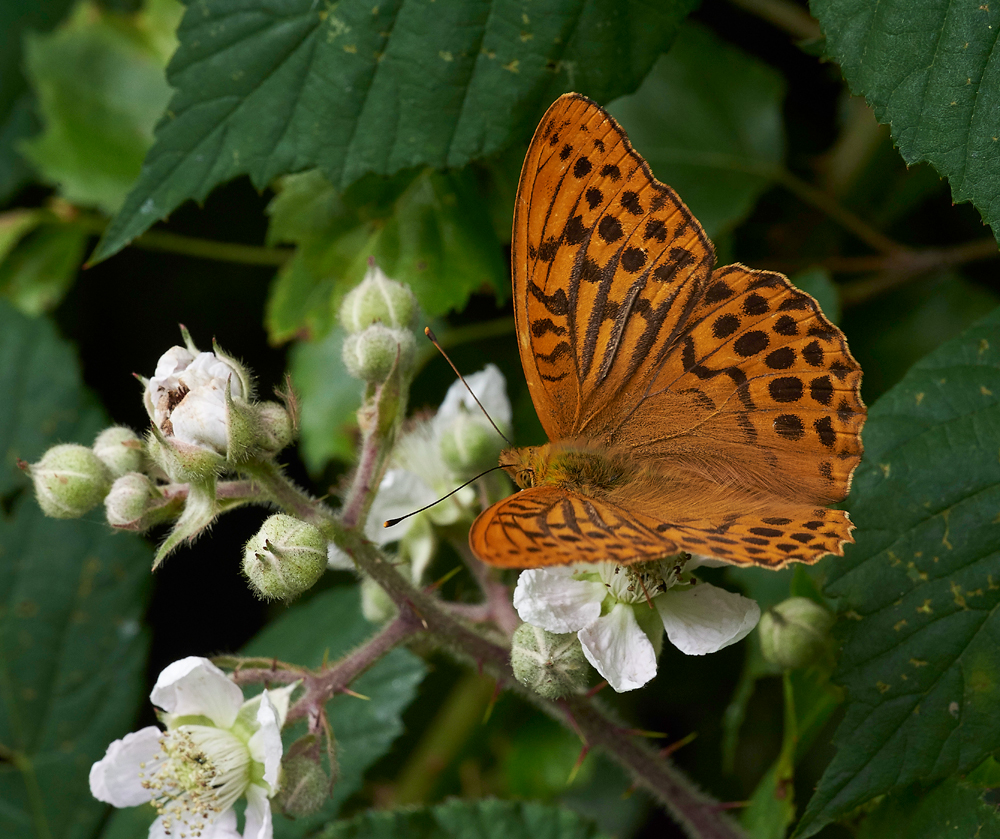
736, 396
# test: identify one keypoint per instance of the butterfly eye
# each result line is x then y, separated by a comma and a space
526, 478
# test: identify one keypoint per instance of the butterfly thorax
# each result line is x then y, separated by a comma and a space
586, 469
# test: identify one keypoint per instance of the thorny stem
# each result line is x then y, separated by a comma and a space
499, 607
785, 15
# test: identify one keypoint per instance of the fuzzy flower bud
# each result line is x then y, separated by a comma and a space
275, 425
128, 499
469, 445
552, 665
370, 355
304, 786
377, 299
69, 480
120, 449
285, 558
795, 632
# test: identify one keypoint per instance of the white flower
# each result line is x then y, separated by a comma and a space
216, 749
609, 607
420, 476
186, 398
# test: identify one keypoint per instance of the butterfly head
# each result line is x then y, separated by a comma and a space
527, 466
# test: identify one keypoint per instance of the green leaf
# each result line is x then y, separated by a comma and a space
955, 807
920, 588
72, 654
466, 820
927, 70
375, 88
708, 121
17, 121
431, 230
817, 282
326, 627
101, 88
40, 270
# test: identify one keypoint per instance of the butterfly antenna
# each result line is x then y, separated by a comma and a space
393, 522
434, 341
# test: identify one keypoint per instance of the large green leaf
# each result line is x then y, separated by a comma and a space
358, 88
708, 121
72, 655
467, 820
326, 627
101, 88
929, 71
920, 588
432, 231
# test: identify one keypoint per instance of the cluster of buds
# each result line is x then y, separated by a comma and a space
378, 316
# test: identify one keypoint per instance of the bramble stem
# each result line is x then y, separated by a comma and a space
784, 15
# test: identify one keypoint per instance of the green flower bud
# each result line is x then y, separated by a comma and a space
376, 605
276, 428
551, 665
127, 502
120, 449
469, 446
377, 299
370, 355
69, 480
795, 632
285, 558
304, 786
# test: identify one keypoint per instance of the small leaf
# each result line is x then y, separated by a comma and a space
363, 88
467, 820
41, 269
325, 628
708, 121
927, 70
100, 87
920, 588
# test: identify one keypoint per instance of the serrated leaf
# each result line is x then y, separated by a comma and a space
101, 88
927, 71
467, 820
430, 230
72, 655
919, 589
708, 121
326, 627
375, 88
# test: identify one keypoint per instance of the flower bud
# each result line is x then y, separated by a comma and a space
126, 503
469, 446
69, 480
120, 449
377, 299
304, 786
275, 426
551, 665
795, 632
376, 605
370, 355
285, 558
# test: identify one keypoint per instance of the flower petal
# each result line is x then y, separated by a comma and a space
705, 618
265, 743
552, 599
337, 559
258, 814
222, 827
195, 686
400, 492
619, 650
117, 777
490, 387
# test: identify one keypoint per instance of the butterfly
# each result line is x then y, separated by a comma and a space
689, 408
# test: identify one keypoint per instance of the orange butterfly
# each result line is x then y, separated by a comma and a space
689, 408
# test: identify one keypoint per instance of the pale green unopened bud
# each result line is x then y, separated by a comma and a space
120, 449
551, 665
376, 605
377, 299
127, 502
469, 446
69, 480
304, 786
276, 428
370, 355
795, 632
285, 558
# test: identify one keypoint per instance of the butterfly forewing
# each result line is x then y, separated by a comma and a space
607, 263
